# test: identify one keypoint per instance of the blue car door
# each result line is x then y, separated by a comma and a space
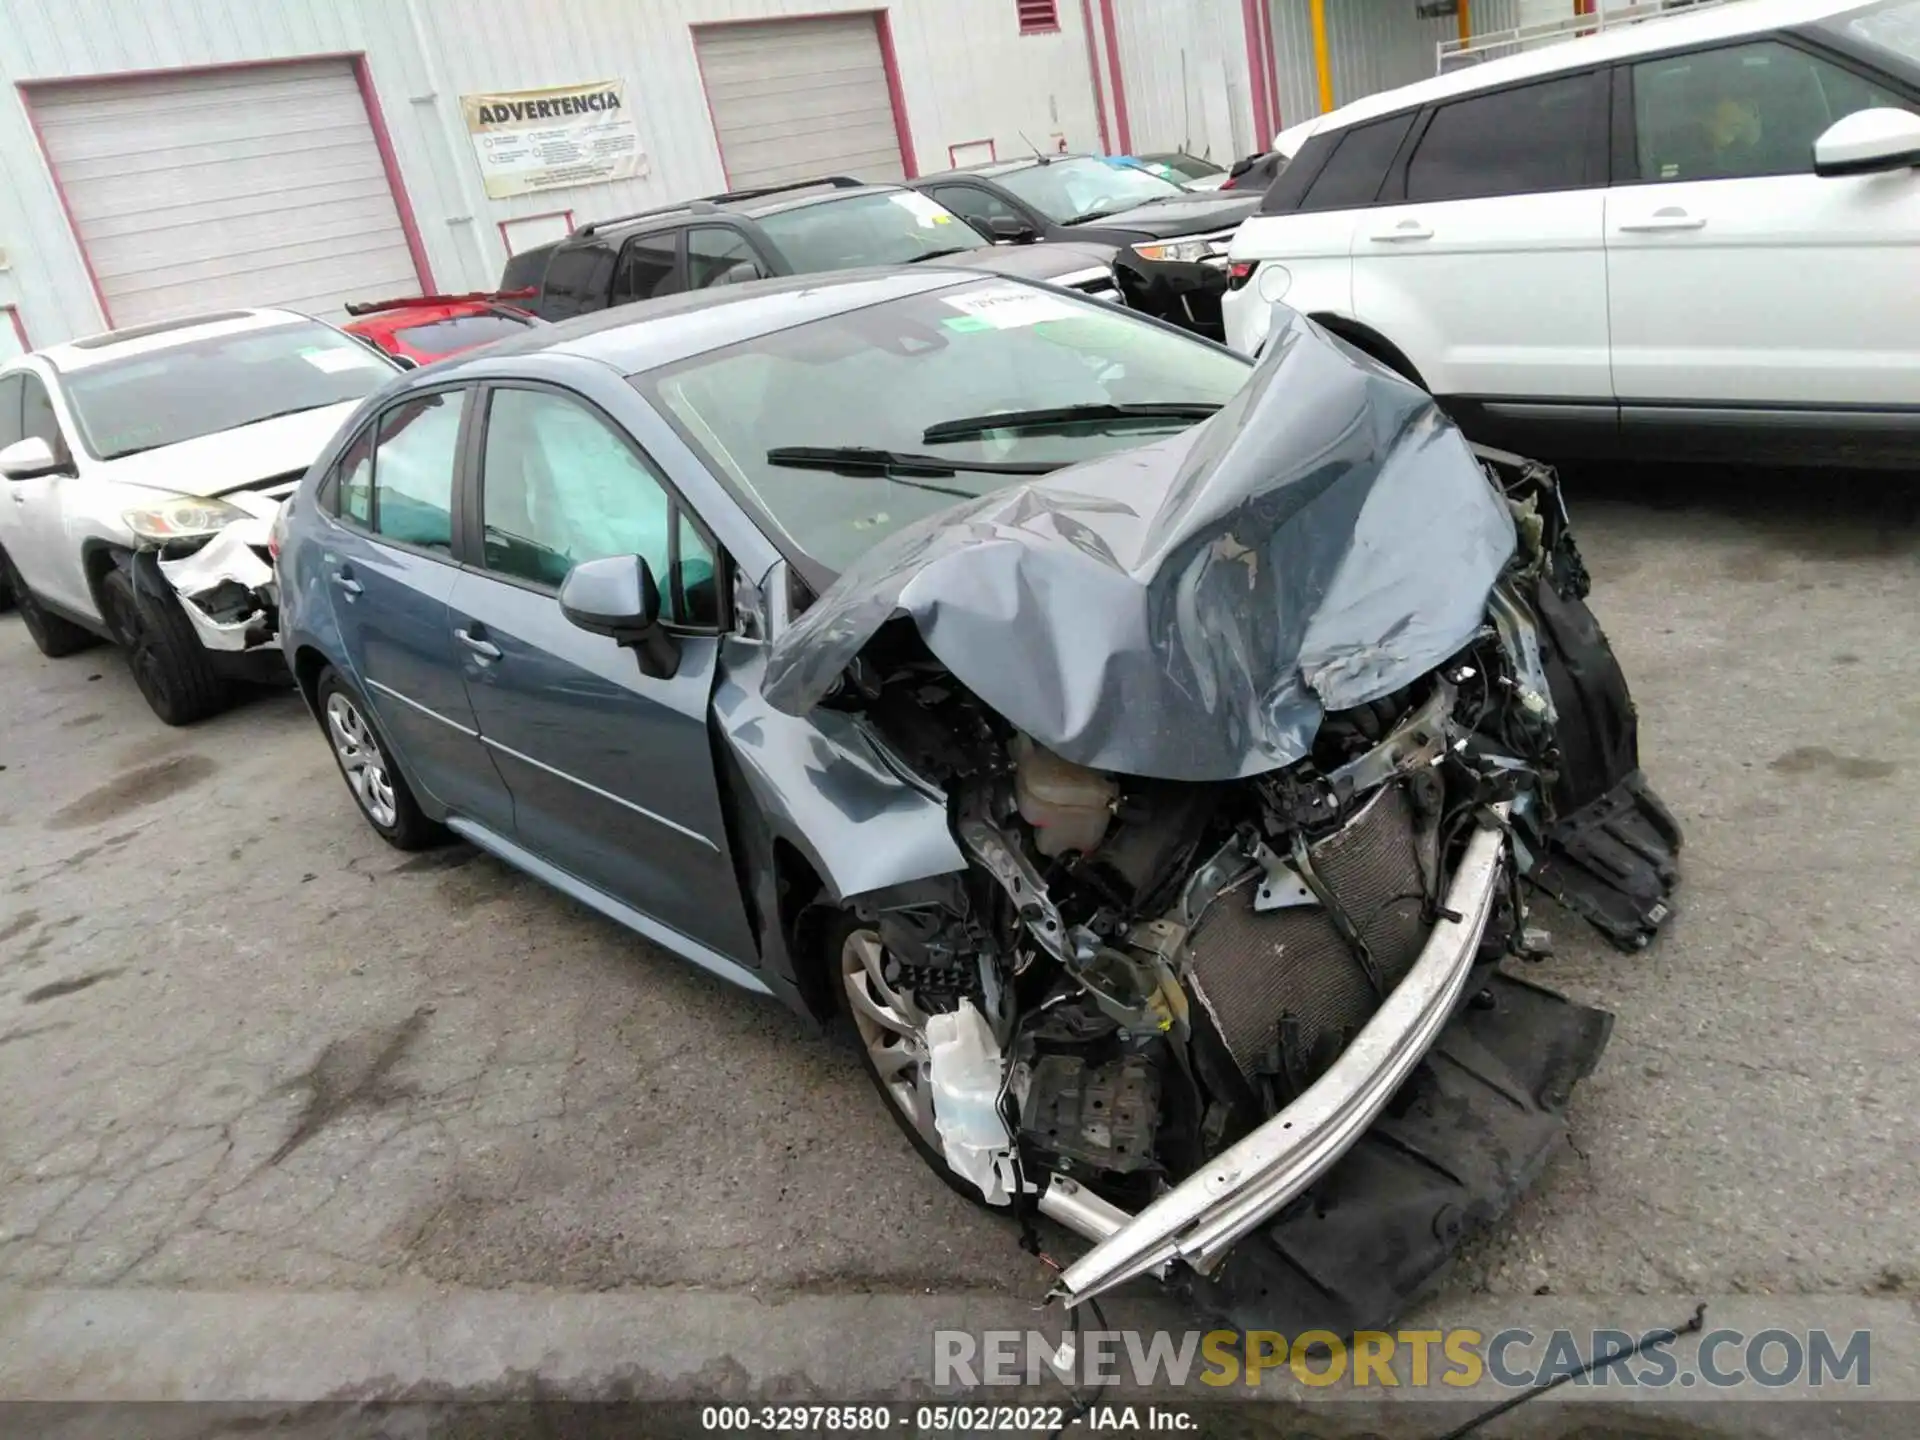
389, 569
611, 771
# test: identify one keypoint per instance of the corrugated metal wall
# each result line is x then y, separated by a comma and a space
1185, 63
966, 74
1372, 45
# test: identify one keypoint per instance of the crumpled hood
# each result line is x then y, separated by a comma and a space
1192, 214
234, 459
1044, 260
1190, 609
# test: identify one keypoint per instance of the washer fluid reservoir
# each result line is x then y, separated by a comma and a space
1068, 805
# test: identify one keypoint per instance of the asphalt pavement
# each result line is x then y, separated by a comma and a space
245, 1047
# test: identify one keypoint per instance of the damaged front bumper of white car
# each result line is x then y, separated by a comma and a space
226, 588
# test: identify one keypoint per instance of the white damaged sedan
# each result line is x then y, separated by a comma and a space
144, 468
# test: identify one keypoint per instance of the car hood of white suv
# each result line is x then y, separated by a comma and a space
233, 459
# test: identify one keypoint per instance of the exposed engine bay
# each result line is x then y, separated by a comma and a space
1137, 981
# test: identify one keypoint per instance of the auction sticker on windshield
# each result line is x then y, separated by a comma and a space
920, 207
333, 362
1007, 307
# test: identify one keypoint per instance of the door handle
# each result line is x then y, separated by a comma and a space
485, 649
347, 583
1406, 230
1667, 217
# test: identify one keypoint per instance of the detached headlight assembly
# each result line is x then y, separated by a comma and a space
181, 517
1184, 251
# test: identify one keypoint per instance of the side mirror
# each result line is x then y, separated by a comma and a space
619, 598
1868, 141
29, 459
738, 273
1007, 228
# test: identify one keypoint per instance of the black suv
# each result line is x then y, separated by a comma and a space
811, 225
1172, 258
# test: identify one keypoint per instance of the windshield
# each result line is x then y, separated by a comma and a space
1892, 27
1085, 189
181, 392
894, 228
880, 377
460, 332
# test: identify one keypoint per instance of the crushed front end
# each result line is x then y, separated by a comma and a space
223, 582
1256, 743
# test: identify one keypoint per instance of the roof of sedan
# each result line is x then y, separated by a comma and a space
652, 333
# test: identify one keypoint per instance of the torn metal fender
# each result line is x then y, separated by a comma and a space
228, 558
824, 785
1187, 610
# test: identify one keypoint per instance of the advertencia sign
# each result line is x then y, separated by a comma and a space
530, 140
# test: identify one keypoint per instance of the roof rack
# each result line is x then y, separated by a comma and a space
838, 182
368, 307
710, 203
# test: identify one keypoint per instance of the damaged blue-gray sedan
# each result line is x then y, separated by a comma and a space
1152, 756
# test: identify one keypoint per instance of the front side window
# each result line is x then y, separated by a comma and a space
1083, 188
648, 267
181, 392
717, 256
1358, 167
1742, 111
396, 479
10, 387
37, 420
1513, 142
559, 485
969, 352
577, 281
979, 208
895, 227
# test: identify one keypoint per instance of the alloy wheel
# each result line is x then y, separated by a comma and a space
361, 761
893, 1030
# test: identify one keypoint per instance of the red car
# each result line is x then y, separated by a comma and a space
426, 328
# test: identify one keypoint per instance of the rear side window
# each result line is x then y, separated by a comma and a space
577, 281
526, 269
1358, 167
396, 479
1514, 142
647, 266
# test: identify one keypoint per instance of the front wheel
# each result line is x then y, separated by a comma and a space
378, 787
51, 635
169, 664
891, 1030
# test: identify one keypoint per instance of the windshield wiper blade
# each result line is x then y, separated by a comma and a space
941, 254
1058, 417
864, 460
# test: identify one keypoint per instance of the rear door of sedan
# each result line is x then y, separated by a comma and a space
388, 566
611, 770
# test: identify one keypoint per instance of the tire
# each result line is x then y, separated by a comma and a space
53, 635
169, 664
385, 799
844, 928
6, 589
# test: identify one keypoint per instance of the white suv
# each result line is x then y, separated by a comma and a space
142, 469
1696, 237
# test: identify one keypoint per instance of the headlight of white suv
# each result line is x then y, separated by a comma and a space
1184, 251
182, 516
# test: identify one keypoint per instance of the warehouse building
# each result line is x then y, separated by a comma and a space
159, 157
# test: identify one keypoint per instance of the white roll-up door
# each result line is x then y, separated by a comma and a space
206, 190
793, 99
